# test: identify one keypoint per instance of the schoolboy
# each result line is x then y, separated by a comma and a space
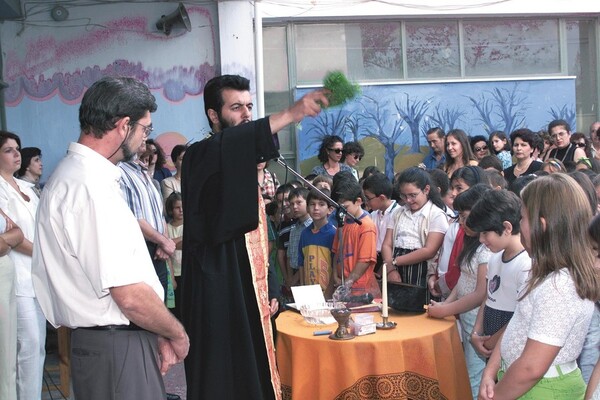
496, 217
297, 199
356, 260
316, 241
284, 217
378, 192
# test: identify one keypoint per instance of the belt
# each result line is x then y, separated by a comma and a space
560, 369
130, 327
554, 371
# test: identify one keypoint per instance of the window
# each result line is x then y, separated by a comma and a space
511, 47
432, 49
581, 62
365, 51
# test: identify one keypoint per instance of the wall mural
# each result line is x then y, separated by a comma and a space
48, 67
391, 121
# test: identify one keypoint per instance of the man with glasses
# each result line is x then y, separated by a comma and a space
91, 270
565, 151
226, 307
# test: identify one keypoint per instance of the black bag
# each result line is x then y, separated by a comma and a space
406, 297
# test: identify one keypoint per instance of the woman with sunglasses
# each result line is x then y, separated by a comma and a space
330, 154
157, 161
353, 153
581, 141
479, 146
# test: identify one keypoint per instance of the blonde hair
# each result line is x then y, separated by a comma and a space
563, 241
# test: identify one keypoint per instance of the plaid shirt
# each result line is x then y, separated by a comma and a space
292, 250
269, 185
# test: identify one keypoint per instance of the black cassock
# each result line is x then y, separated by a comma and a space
228, 357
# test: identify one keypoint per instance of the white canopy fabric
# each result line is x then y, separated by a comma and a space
416, 8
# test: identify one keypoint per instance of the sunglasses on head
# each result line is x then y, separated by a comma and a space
337, 151
478, 149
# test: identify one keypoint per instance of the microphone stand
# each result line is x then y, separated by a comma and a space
341, 211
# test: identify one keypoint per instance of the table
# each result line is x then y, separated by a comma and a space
422, 358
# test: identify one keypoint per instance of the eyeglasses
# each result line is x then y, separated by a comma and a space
580, 144
357, 157
147, 129
478, 149
337, 151
559, 134
370, 198
411, 196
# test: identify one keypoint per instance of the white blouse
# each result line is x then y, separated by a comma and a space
410, 225
23, 214
552, 313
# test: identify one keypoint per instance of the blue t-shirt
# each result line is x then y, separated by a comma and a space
314, 254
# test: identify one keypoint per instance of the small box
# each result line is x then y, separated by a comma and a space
363, 319
358, 329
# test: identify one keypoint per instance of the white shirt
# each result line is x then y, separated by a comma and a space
505, 280
446, 248
174, 232
467, 282
382, 219
408, 225
552, 313
23, 214
87, 241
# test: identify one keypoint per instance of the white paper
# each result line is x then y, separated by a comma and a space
309, 294
312, 297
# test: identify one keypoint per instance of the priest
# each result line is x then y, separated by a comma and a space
226, 308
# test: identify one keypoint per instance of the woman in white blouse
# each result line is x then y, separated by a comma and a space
536, 358
19, 202
10, 236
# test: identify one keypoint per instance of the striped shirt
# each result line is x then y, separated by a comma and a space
141, 195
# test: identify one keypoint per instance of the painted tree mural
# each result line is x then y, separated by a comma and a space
385, 127
331, 122
565, 112
412, 112
501, 109
397, 116
444, 117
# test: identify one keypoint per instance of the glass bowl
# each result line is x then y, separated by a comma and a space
318, 313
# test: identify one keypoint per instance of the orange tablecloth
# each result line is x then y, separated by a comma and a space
422, 358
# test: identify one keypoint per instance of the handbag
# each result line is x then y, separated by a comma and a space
406, 297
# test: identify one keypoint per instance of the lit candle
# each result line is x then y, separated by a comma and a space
384, 300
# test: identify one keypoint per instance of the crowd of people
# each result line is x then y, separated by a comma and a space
501, 232
466, 224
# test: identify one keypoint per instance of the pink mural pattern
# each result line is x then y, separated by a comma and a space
26, 78
176, 83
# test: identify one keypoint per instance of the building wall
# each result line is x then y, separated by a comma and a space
49, 65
